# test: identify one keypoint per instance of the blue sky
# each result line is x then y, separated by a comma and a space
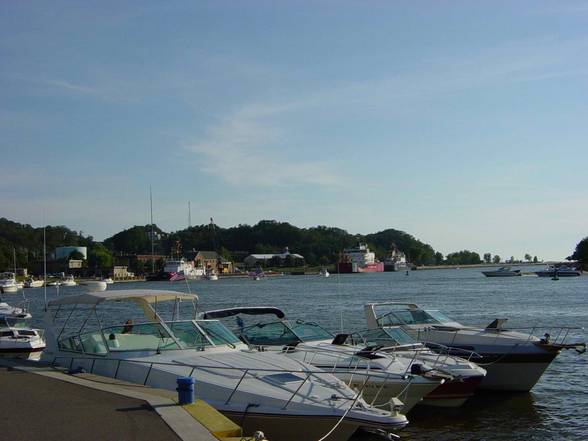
462, 123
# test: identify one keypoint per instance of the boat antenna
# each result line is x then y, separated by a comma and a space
339, 293
45, 264
152, 232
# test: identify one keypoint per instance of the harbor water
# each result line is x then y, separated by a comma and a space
555, 409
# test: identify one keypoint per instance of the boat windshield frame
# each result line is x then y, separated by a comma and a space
385, 336
412, 316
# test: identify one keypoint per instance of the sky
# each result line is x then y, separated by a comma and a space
462, 123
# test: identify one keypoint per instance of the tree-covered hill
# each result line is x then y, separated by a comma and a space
320, 245
28, 242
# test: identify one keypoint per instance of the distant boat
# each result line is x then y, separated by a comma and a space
95, 285
359, 260
69, 281
32, 283
502, 272
108, 281
561, 271
8, 282
324, 272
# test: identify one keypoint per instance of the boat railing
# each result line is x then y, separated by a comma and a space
245, 372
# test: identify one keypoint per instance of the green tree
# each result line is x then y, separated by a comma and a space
535, 260
76, 255
581, 253
99, 257
496, 259
528, 257
487, 258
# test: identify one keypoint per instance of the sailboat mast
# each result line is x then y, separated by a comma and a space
152, 232
189, 216
45, 265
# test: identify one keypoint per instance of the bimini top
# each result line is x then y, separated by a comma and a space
251, 310
142, 295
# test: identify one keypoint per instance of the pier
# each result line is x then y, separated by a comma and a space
42, 402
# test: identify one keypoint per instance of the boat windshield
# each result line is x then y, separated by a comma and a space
128, 337
13, 322
309, 331
270, 334
217, 332
408, 317
383, 337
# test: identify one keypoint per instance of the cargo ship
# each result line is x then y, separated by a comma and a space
396, 260
359, 260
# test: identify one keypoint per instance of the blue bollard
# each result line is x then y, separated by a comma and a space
185, 390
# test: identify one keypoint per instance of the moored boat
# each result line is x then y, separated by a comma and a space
559, 271
514, 360
504, 271
287, 399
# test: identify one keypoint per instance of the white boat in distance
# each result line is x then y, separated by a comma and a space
33, 283
287, 399
69, 281
559, 271
504, 271
514, 360
8, 282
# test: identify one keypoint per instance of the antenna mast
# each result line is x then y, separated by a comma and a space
189, 216
152, 232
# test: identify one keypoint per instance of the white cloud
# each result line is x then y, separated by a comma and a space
245, 148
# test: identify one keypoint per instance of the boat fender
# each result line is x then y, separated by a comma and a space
259, 436
185, 390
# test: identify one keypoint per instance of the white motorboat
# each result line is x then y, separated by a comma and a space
95, 285
324, 272
69, 281
54, 283
20, 312
108, 280
503, 271
388, 378
8, 283
559, 271
514, 360
17, 340
287, 399
33, 283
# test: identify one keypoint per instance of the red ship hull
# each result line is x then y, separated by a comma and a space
348, 267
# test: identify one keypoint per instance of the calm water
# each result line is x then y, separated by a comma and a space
557, 407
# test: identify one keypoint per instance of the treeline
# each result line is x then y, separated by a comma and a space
319, 245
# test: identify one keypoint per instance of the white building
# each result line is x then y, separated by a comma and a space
255, 259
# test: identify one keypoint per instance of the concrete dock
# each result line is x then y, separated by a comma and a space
42, 403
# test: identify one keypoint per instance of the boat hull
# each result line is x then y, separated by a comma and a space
293, 428
453, 393
558, 273
376, 394
348, 267
498, 274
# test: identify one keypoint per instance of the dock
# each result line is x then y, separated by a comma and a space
41, 402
